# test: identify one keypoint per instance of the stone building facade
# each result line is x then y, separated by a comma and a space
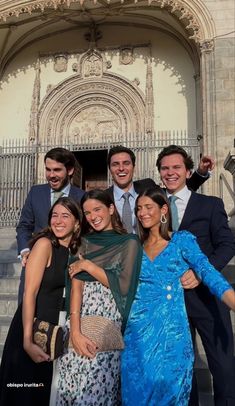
89, 74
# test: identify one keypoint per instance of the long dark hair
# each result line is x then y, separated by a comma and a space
69, 204
157, 195
104, 197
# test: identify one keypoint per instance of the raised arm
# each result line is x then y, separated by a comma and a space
202, 173
213, 279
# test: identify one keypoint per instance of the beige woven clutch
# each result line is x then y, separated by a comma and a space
103, 332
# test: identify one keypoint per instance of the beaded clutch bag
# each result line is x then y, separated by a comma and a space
49, 337
103, 332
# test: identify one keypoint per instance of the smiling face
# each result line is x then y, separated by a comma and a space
56, 174
98, 215
122, 170
173, 172
149, 213
63, 224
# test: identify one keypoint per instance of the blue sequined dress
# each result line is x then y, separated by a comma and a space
157, 361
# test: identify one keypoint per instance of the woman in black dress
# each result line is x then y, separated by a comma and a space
26, 370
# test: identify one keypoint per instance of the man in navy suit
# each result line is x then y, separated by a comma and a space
59, 168
121, 163
205, 217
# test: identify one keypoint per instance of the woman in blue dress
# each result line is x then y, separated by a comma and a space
157, 361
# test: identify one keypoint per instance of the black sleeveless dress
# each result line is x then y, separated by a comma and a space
22, 381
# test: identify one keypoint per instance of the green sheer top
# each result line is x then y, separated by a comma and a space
119, 255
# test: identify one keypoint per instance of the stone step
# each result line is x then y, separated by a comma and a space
4, 327
9, 268
9, 285
8, 304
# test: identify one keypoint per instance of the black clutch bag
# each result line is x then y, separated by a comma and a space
49, 337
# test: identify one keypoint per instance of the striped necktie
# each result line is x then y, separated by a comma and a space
174, 212
127, 213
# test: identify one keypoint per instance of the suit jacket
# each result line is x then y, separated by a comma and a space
34, 215
205, 217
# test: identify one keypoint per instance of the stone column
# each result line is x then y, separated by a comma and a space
209, 141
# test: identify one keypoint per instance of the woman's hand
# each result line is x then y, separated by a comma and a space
36, 353
83, 345
80, 266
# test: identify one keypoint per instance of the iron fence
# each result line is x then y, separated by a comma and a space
21, 163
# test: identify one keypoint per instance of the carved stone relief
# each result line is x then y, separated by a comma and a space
84, 109
126, 56
96, 122
60, 63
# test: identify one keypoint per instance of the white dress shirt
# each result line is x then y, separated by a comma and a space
65, 192
182, 201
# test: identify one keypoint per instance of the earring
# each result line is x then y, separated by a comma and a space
76, 228
163, 219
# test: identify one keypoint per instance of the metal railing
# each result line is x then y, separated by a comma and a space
21, 163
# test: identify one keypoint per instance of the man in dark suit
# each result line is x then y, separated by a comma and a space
121, 163
59, 168
205, 217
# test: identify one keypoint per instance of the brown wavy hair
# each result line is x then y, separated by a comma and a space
104, 197
73, 207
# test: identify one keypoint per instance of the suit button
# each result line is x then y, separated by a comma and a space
168, 287
168, 296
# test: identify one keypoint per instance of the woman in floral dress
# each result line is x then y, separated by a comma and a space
111, 261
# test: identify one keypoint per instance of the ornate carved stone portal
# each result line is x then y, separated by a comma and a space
84, 109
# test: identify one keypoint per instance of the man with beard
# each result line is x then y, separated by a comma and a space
59, 168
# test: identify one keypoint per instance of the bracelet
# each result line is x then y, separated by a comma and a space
75, 312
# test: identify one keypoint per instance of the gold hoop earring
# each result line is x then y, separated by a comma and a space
163, 219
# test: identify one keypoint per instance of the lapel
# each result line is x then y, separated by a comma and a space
47, 198
110, 191
189, 212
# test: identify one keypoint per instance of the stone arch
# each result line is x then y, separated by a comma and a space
116, 105
193, 14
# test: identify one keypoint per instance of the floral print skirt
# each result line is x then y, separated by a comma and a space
94, 382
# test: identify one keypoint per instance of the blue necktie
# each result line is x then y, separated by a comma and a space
174, 213
127, 213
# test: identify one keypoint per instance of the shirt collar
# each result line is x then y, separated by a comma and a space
182, 194
118, 192
65, 190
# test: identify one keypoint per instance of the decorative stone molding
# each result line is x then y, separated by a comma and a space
82, 106
192, 13
33, 123
60, 63
207, 46
126, 56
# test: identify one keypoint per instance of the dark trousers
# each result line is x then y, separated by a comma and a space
21, 286
217, 338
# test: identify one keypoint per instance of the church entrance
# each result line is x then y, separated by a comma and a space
92, 172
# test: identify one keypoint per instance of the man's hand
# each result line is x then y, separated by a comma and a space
24, 258
190, 280
207, 163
